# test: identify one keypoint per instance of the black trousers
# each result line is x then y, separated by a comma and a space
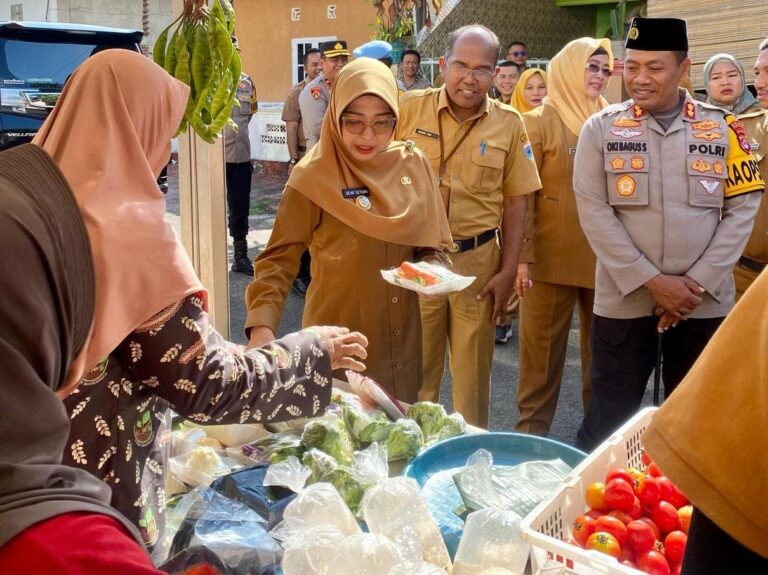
711, 551
623, 358
238, 198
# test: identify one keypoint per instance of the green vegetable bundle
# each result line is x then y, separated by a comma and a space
330, 436
435, 423
200, 53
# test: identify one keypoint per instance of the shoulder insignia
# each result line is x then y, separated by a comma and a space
741, 134
690, 110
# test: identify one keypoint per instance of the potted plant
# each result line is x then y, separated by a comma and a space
394, 24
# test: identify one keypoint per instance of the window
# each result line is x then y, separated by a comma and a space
299, 48
17, 12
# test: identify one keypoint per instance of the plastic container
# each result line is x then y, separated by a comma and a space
434, 468
549, 523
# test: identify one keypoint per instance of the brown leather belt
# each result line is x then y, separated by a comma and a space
467, 244
751, 264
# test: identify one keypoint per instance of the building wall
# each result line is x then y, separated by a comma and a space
35, 10
736, 27
265, 31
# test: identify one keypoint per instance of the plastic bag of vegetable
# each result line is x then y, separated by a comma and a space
274, 448
329, 434
320, 463
428, 415
405, 440
365, 424
349, 487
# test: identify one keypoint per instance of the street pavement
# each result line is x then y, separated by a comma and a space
266, 189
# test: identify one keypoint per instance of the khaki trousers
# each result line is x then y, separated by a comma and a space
545, 322
463, 323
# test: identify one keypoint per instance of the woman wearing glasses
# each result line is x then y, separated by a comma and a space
558, 266
361, 203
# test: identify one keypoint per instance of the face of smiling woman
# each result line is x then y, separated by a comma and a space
367, 125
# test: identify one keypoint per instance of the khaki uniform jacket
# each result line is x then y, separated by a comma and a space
313, 102
347, 289
421, 83
755, 121
652, 202
493, 162
558, 245
237, 146
292, 112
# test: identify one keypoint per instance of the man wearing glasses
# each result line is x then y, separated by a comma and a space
518, 53
480, 153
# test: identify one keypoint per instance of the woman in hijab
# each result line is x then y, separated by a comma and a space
362, 203
558, 262
54, 519
727, 88
710, 438
152, 343
530, 90
529, 94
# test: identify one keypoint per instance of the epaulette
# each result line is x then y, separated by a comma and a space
712, 107
753, 114
616, 108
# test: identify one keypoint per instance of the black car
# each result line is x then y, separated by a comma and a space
36, 58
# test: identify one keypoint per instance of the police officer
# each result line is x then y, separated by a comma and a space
381, 51
237, 152
314, 98
664, 188
479, 150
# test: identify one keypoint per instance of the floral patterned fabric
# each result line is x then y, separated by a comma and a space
120, 419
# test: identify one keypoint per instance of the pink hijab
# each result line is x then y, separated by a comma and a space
110, 135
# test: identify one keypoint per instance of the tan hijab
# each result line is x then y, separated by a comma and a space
710, 436
565, 88
518, 96
406, 207
110, 135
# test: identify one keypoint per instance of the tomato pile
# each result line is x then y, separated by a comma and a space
640, 518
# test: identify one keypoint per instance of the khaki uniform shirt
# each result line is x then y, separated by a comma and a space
677, 203
558, 245
292, 112
494, 161
756, 124
313, 102
237, 146
421, 83
347, 289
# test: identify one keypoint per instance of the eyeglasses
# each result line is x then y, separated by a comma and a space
463, 71
595, 69
357, 126
518, 53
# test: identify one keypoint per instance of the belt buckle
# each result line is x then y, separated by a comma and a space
454, 249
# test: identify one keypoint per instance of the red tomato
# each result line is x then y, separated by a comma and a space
674, 546
619, 473
622, 516
665, 516
671, 493
677, 569
604, 543
626, 555
594, 514
636, 510
640, 537
609, 524
595, 496
652, 525
645, 458
653, 470
653, 563
583, 527
619, 495
684, 514
649, 491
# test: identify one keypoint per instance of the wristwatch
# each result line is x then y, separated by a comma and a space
293, 161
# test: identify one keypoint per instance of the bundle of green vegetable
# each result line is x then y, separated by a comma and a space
330, 436
435, 423
200, 53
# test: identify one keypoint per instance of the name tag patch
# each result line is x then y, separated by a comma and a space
626, 147
422, 132
707, 150
354, 193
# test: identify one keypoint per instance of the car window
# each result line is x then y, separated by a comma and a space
32, 74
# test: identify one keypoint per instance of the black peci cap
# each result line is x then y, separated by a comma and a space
334, 48
658, 34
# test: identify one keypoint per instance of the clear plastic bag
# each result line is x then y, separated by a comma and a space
236, 534
366, 554
308, 550
289, 473
320, 504
492, 539
447, 281
397, 502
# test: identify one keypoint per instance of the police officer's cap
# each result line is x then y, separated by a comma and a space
376, 49
333, 48
658, 34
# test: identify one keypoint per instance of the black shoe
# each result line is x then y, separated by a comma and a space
241, 263
503, 332
300, 286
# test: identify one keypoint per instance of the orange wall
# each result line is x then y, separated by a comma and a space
265, 30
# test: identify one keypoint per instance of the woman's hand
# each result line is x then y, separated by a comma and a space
343, 346
261, 335
523, 281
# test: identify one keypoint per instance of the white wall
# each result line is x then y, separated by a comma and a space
32, 9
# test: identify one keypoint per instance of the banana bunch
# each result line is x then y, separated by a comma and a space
200, 54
